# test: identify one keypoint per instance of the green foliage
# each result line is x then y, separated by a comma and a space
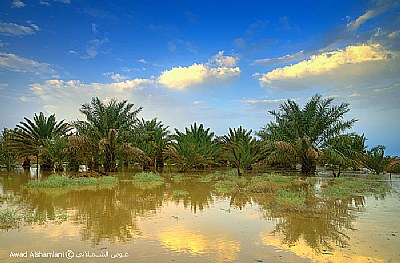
12, 218
345, 150
9, 218
37, 137
291, 201
147, 177
232, 185
241, 148
8, 153
147, 180
152, 138
352, 186
57, 181
375, 159
298, 133
178, 178
195, 148
106, 127
216, 176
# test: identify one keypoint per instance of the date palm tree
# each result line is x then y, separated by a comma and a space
194, 148
106, 125
152, 137
35, 137
241, 148
302, 131
345, 150
8, 153
376, 160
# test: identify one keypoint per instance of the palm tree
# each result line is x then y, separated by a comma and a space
152, 138
106, 125
300, 132
241, 148
194, 148
8, 154
35, 137
375, 159
345, 150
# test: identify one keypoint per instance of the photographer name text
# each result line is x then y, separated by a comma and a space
69, 254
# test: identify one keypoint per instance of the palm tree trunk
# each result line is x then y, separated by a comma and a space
308, 166
37, 166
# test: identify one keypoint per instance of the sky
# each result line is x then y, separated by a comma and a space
220, 63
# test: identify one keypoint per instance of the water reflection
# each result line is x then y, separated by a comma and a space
199, 223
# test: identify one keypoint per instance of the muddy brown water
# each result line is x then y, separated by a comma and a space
127, 223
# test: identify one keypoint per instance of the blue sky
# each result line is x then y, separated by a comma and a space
221, 63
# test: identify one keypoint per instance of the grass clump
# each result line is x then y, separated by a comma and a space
147, 177
8, 198
58, 181
218, 176
231, 186
9, 218
178, 178
354, 186
270, 183
291, 201
147, 180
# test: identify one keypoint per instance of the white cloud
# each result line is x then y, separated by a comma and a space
65, 97
224, 61
354, 25
142, 60
329, 61
11, 29
18, 4
19, 64
218, 68
115, 76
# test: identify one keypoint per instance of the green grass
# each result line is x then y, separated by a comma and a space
147, 180
355, 186
291, 201
8, 198
12, 218
148, 177
57, 181
178, 178
9, 218
217, 176
232, 185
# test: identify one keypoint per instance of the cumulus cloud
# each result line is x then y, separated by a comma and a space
329, 61
11, 29
19, 64
218, 68
66, 97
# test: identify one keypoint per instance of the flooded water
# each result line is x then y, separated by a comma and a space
187, 221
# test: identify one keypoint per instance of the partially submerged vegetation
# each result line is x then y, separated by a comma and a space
112, 137
13, 218
57, 181
293, 193
147, 180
